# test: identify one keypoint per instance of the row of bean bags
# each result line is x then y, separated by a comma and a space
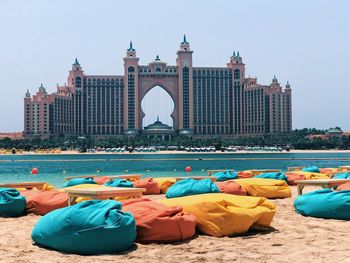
324, 203
224, 176
91, 227
12, 203
191, 186
225, 215
268, 188
157, 223
41, 202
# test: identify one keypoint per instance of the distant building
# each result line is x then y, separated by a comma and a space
11, 135
208, 100
333, 132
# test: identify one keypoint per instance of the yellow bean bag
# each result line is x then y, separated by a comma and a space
48, 187
312, 176
268, 188
224, 214
164, 183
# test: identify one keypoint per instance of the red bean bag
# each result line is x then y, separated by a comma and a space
102, 179
41, 202
292, 177
156, 222
151, 186
245, 174
345, 186
230, 187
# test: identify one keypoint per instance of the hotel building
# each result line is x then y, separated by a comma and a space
207, 100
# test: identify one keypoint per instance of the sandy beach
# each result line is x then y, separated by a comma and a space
292, 238
181, 152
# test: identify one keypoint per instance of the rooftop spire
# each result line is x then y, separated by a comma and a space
157, 117
130, 47
76, 62
184, 40
157, 58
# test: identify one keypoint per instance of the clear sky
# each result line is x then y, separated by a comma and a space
305, 42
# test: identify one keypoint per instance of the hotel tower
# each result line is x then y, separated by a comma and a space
207, 100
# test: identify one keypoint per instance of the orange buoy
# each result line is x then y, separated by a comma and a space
188, 169
35, 170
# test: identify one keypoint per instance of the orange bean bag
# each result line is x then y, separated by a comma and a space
345, 186
230, 187
292, 177
245, 174
156, 222
102, 179
151, 186
41, 202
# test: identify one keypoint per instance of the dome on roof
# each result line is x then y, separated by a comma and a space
158, 125
334, 131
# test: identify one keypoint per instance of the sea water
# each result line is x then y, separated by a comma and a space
54, 168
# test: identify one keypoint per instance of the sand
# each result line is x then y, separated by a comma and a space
292, 238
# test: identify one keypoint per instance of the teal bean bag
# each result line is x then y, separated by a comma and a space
12, 203
119, 183
87, 228
273, 175
344, 175
311, 169
224, 176
77, 181
324, 203
191, 186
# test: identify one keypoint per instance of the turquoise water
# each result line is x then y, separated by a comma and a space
54, 168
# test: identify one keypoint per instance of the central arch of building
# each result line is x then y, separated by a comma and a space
169, 85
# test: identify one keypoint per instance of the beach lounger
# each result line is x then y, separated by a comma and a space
325, 183
102, 193
345, 168
26, 185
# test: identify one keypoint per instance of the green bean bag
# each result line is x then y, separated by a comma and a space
119, 183
344, 175
77, 181
311, 169
90, 227
224, 176
12, 204
324, 203
191, 186
273, 175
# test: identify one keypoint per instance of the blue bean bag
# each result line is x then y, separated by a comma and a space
344, 175
273, 175
77, 181
224, 176
191, 186
311, 169
12, 203
119, 183
87, 228
324, 203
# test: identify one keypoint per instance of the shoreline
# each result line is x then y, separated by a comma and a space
179, 152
